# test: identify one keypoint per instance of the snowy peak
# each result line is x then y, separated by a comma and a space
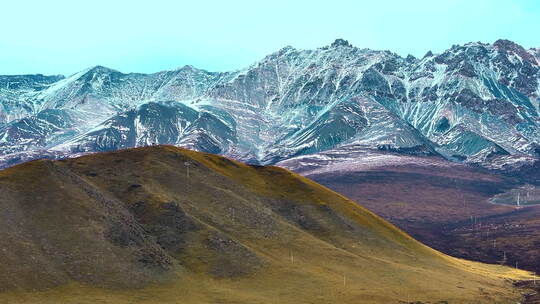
99, 69
340, 43
511, 48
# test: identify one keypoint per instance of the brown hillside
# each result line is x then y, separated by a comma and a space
168, 225
445, 206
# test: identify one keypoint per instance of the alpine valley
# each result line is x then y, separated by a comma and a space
476, 104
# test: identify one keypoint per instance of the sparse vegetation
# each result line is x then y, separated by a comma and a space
139, 230
449, 209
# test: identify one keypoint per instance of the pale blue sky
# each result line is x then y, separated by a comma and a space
65, 36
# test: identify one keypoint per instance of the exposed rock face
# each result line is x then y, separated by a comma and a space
474, 103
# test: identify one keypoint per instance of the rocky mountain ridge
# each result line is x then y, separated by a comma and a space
476, 103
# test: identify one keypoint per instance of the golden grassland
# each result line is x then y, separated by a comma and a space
282, 238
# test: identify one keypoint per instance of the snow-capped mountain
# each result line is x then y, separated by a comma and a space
474, 103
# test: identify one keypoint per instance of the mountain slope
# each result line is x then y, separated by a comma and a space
476, 103
460, 210
17, 90
162, 224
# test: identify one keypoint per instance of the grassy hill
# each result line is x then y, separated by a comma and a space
168, 225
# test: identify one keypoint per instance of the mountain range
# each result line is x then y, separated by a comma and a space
475, 103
